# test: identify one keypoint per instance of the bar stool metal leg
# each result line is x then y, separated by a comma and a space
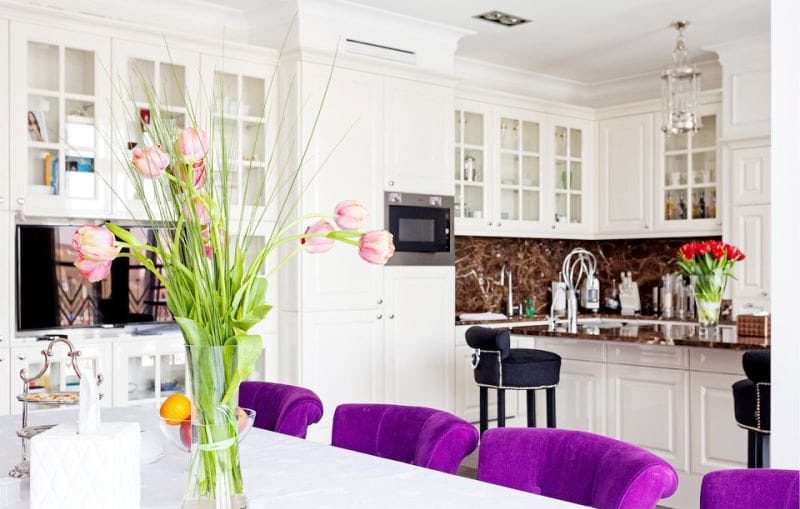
551, 407
531, 406
501, 408
484, 408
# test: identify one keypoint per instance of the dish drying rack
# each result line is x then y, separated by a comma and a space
23, 468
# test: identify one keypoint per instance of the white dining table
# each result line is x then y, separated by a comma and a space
283, 472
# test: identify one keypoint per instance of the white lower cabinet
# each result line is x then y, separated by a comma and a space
5, 377
148, 370
580, 397
467, 393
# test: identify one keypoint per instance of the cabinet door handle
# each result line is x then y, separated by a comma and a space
499, 225
391, 317
22, 356
647, 227
21, 200
552, 227
764, 294
489, 223
380, 316
391, 183
380, 301
2, 337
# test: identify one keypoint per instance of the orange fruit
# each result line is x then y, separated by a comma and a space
176, 409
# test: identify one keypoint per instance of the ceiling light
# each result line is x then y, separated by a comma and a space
681, 86
508, 20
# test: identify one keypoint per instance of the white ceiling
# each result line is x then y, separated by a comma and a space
588, 41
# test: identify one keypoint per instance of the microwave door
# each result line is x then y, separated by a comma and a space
420, 229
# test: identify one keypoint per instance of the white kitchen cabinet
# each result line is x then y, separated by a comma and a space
750, 174
688, 178
60, 376
342, 360
5, 163
648, 407
570, 172
626, 174
60, 111
7, 277
750, 232
419, 349
146, 371
473, 167
340, 279
173, 75
5, 379
580, 397
717, 443
418, 128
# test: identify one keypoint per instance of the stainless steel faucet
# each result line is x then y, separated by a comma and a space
510, 301
578, 264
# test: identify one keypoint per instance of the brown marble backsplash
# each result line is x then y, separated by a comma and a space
536, 262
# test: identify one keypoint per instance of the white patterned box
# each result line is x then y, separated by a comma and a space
98, 470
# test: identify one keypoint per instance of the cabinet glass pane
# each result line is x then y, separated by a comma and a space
226, 92
530, 171
457, 164
575, 208
530, 206
675, 205
253, 141
457, 124
707, 136
141, 377
473, 128
43, 117
509, 169
509, 133
473, 165
473, 201
575, 142
509, 204
575, 175
704, 203
704, 167
43, 171
173, 374
676, 142
676, 170
173, 85
78, 71
43, 66
79, 131
561, 176
561, 208
253, 95
530, 136
561, 141
142, 72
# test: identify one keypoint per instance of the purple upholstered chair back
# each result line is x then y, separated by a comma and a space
420, 436
575, 466
281, 408
748, 488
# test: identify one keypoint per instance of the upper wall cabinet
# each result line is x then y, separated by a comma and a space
626, 174
473, 202
172, 77
570, 175
688, 181
5, 163
418, 129
60, 118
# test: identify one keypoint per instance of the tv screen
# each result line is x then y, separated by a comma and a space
52, 294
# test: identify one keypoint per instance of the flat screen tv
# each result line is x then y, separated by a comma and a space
52, 294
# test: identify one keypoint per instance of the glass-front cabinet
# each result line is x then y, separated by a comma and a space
688, 184
59, 92
146, 371
570, 176
472, 204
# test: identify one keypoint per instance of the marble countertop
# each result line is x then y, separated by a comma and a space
667, 334
609, 316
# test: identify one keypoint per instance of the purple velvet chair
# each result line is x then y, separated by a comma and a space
751, 488
281, 408
420, 436
575, 466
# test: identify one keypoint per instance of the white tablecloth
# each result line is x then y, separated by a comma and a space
283, 472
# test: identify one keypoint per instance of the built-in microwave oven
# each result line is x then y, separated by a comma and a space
422, 227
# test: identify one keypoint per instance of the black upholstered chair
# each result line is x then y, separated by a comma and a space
751, 402
498, 366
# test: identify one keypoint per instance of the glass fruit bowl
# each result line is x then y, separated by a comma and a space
180, 435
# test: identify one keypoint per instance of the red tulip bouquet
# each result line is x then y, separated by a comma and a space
710, 264
200, 255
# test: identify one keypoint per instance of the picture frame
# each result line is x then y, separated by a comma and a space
37, 126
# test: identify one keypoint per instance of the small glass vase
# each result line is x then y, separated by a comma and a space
708, 316
215, 477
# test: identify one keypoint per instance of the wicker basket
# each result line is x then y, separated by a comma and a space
758, 326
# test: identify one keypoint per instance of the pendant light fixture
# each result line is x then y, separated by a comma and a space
680, 89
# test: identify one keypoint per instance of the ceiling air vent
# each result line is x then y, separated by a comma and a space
501, 18
380, 51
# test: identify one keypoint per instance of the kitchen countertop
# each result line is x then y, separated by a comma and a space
666, 334
607, 316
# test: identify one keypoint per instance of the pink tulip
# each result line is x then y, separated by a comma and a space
199, 175
205, 234
350, 214
150, 161
192, 145
318, 244
95, 243
201, 213
93, 271
376, 247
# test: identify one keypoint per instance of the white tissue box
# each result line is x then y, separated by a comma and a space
98, 470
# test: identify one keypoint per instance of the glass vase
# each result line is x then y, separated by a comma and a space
708, 312
215, 477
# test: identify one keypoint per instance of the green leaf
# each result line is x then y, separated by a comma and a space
193, 332
253, 316
248, 352
124, 235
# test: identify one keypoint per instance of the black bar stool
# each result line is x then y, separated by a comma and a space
498, 366
751, 405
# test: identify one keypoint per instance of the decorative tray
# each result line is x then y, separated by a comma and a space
50, 398
32, 431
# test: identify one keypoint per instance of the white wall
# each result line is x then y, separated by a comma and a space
785, 442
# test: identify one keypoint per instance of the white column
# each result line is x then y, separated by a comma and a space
785, 442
